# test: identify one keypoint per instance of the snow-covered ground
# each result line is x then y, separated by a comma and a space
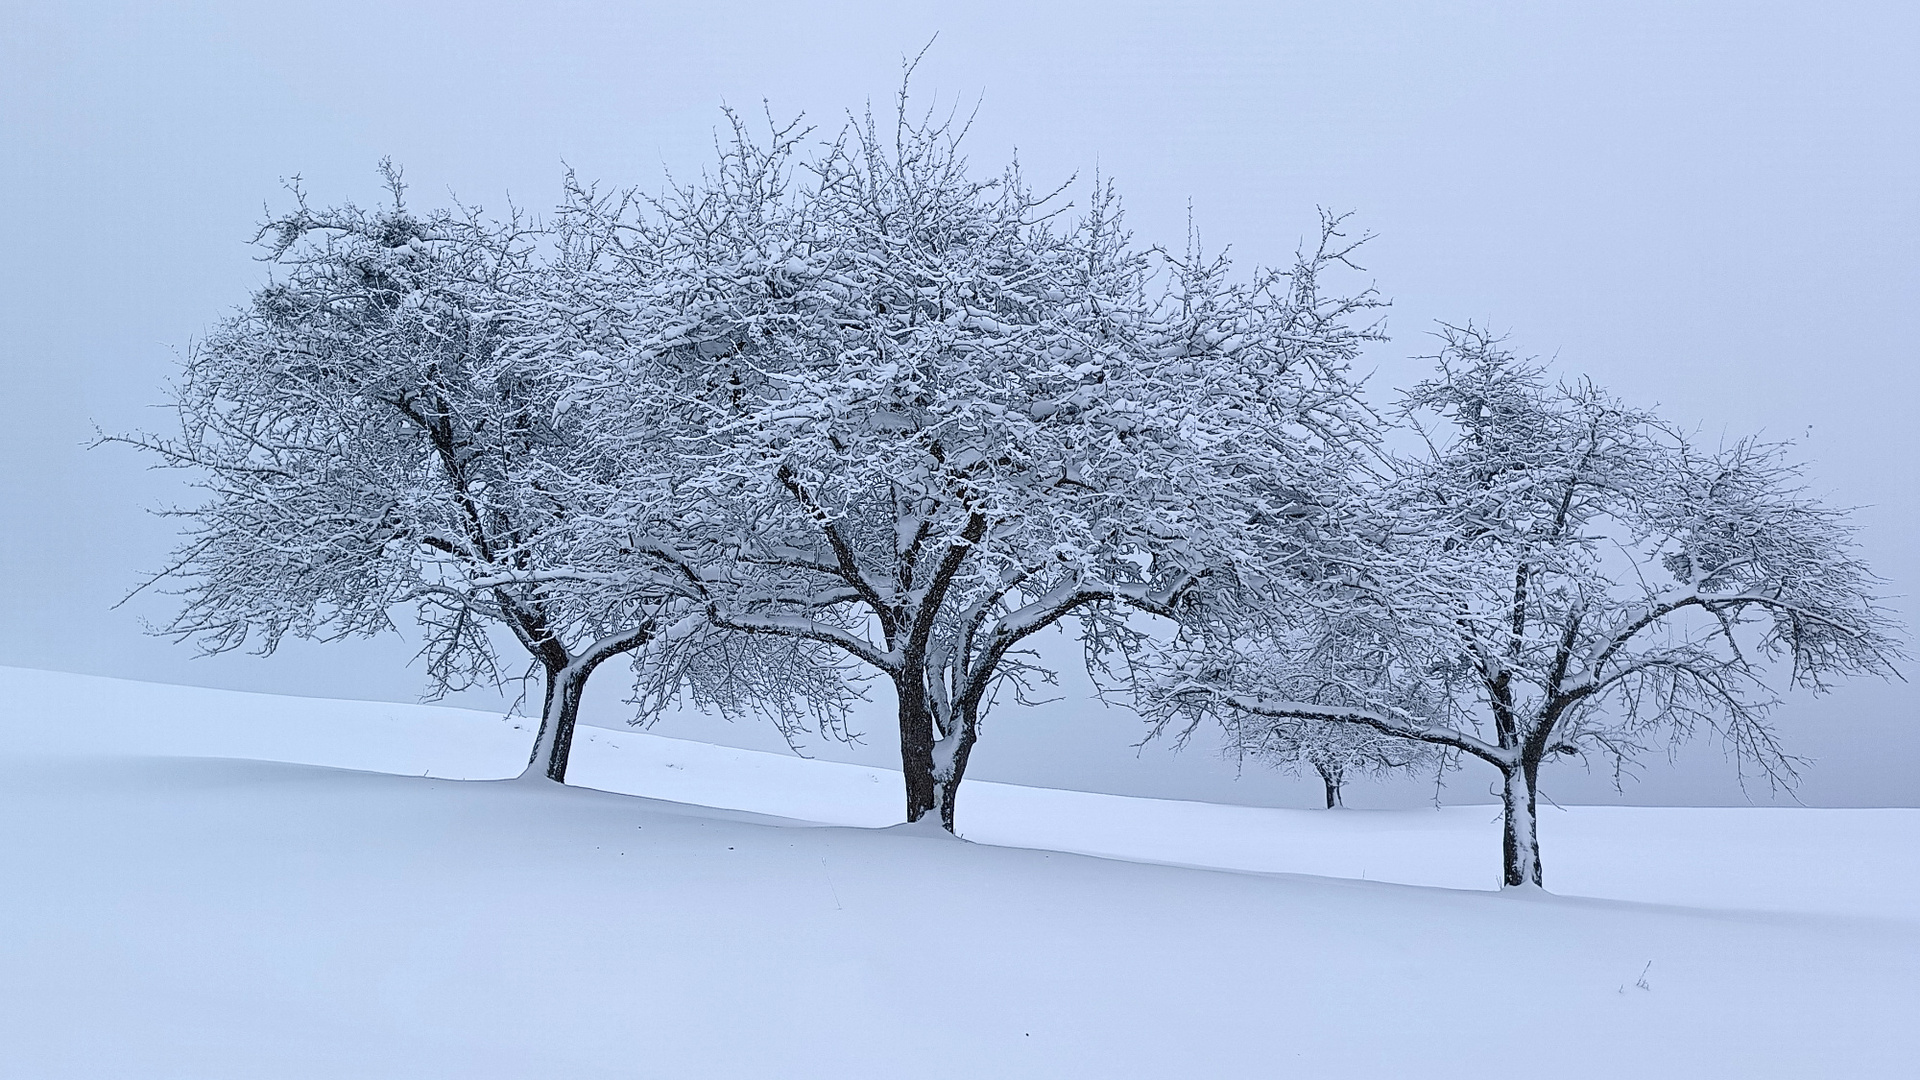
187, 895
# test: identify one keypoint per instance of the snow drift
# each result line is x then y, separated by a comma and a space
211, 884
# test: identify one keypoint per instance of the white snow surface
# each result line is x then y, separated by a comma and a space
212, 884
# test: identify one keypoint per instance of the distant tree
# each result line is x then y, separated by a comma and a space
920, 417
1569, 575
384, 426
1335, 753
1345, 666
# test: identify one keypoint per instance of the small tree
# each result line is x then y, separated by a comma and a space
1331, 752
921, 419
384, 427
1325, 671
1336, 753
1568, 575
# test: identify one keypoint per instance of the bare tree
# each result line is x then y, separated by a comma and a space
1337, 753
384, 426
922, 416
1568, 575
1347, 664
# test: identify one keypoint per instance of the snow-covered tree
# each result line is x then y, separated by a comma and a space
919, 417
382, 426
1562, 574
1338, 753
1346, 664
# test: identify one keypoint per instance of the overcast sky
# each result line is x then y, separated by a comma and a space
1714, 208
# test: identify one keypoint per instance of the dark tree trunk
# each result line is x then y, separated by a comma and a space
947, 788
1520, 839
932, 783
1333, 779
916, 749
566, 682
565, 715
558, 716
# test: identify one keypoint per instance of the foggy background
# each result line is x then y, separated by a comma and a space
1713, 209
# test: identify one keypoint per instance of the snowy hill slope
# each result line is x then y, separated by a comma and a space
169, 915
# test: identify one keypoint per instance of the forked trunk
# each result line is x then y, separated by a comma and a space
932, 769
1520, 841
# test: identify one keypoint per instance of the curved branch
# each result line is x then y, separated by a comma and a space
1388, 725
848, 568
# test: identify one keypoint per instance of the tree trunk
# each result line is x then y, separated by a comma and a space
1332, 778
916, 749
933, 768
559, 712
1520, 841
947, 774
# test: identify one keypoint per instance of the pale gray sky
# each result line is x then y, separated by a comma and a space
1711, 207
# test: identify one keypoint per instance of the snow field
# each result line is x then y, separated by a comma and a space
170, 914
